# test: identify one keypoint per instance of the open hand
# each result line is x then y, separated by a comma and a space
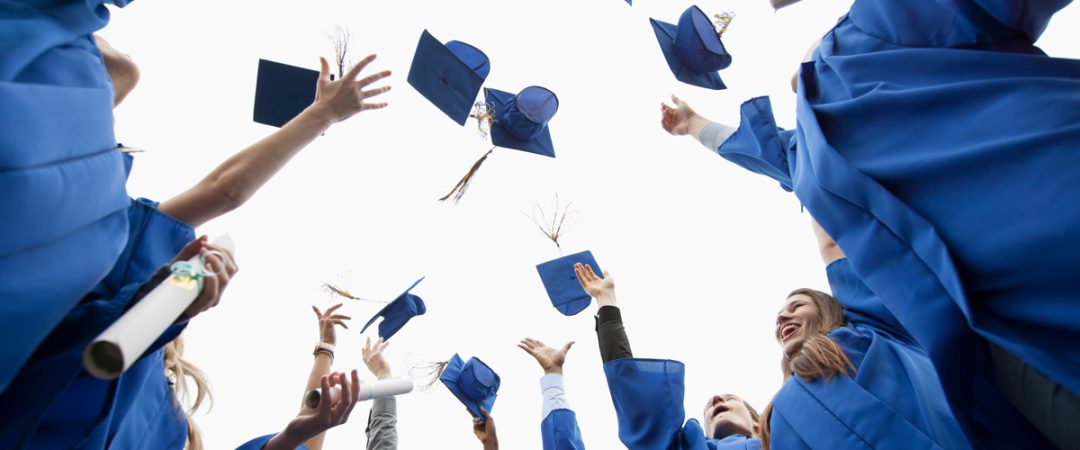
343, 98
602, 289
327, 321
374, 359
550, 359
680, 120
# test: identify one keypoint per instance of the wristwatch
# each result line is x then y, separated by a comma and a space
323, 347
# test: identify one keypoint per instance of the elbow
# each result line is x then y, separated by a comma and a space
226, 196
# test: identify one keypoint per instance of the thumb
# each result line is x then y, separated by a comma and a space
566, 348
324, 70
676, 100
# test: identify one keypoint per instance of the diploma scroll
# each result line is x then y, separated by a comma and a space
125, 340
368, 391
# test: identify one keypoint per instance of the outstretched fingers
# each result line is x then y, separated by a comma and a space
355, 70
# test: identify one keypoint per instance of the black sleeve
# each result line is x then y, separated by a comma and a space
612, 336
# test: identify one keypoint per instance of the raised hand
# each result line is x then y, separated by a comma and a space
345, 97
327, 321
485, 430
680, 119
602, 289
550, 359
374, 359
332, 411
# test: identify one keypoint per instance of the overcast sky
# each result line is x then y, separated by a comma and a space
703, 252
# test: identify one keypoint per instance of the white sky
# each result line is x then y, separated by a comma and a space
702, 251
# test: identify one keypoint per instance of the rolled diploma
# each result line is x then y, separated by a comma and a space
368, 391
125, 340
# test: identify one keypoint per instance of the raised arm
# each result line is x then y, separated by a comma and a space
324, 357
610, 332
238, 178
311, 422
681, 120
558, 427
382, 419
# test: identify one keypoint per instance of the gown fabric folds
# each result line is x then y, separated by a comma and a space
936, 144
64, 222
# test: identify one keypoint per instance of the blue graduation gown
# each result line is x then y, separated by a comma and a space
936, 145
64, 220
53, 394
559, 431
648, 398
894, 400
259, 442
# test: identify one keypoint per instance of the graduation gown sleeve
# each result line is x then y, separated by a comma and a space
758, 145
559, 431
259, 442
52, 391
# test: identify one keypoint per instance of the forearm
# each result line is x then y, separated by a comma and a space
233, 182
284, 440
321, 367
382, 425
554, 392
611, 335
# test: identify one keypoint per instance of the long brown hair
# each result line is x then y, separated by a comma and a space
819, 356
179, 371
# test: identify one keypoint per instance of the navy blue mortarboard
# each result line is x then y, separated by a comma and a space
562, 285
282, 92
450, 75
693, 49
472, 382
521, 120
398, 312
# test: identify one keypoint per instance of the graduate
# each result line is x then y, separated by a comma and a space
854, 377
558, 427
65, 207
37, 412
648, 393
934, 142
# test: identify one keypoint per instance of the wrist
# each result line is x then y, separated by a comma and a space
695, 124
284, 440
605, 299
383, 374
319, 115
557, 370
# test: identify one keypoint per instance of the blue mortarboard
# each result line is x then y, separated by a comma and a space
693, 49
521, 120
398, 312
472, 382
562, 285
282, 92
449, 75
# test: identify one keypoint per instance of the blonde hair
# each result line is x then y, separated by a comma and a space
178, 371
819, 356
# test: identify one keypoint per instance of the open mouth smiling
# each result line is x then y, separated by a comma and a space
787, 331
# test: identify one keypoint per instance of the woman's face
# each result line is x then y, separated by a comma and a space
798, 318
727, 414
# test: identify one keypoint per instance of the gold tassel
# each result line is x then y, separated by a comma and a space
459, 189
723, 20
484, 113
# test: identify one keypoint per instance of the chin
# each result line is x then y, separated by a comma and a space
792, 347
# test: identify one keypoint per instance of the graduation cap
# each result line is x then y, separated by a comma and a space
562, 285
518, 122
693, 49
448, 75
282, 92
398, 312
472, 382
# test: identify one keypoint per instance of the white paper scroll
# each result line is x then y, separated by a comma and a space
121, 344
368, 391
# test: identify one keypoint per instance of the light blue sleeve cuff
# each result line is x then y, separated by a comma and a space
713, 135
551, 385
